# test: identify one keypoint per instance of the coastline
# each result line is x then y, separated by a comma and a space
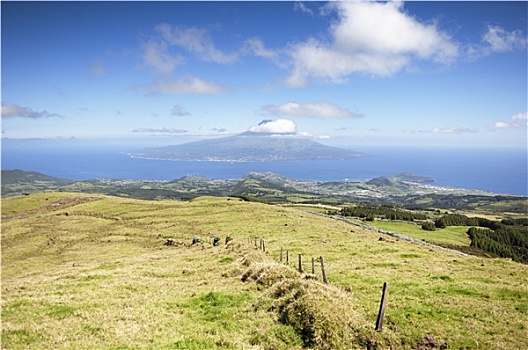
502, 171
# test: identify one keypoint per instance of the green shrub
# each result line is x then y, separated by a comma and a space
267, 274
428, 226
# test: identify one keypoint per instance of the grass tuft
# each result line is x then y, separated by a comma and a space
59, 311
269, 273
322, 316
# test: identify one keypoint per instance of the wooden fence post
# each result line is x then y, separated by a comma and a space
379, 321
313, 265
287, 256
323, 271
281, 256
300, 263
263, 246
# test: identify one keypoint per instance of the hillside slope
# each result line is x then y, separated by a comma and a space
83, 271
20, 176
20, 181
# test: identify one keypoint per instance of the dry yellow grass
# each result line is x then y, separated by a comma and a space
81, 272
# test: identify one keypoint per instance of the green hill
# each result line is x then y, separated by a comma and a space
273, 188
93, 272
16, 176
19, 181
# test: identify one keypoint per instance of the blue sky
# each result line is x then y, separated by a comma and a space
343, 73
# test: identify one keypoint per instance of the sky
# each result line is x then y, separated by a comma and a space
348, 73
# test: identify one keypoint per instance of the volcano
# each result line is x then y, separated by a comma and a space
249, 147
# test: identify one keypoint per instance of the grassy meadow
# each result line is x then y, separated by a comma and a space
92, 272
452, 235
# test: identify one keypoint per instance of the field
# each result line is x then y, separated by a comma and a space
451, 235
92, 272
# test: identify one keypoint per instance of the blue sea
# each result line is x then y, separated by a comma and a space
500, 170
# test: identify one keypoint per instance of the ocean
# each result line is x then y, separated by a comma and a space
501, 170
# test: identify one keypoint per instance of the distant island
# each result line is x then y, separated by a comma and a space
249, 147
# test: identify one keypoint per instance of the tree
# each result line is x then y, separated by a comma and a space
428, 226
440, 223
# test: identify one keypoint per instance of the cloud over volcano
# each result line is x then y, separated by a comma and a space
279, 126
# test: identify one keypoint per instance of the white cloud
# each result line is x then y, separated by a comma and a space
300, 6
179, 111
283, 128
448, 130
190, 85
519, 120
453, 130
372, 38
279, 126
500, 40
161, 51
196, 41
501, 125
219, 130
520, 116
156, 55
14, 111
367, 37
159, 54
255, 46
497, 40
315, 110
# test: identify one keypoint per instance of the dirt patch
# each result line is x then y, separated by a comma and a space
67, 202
429, 342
